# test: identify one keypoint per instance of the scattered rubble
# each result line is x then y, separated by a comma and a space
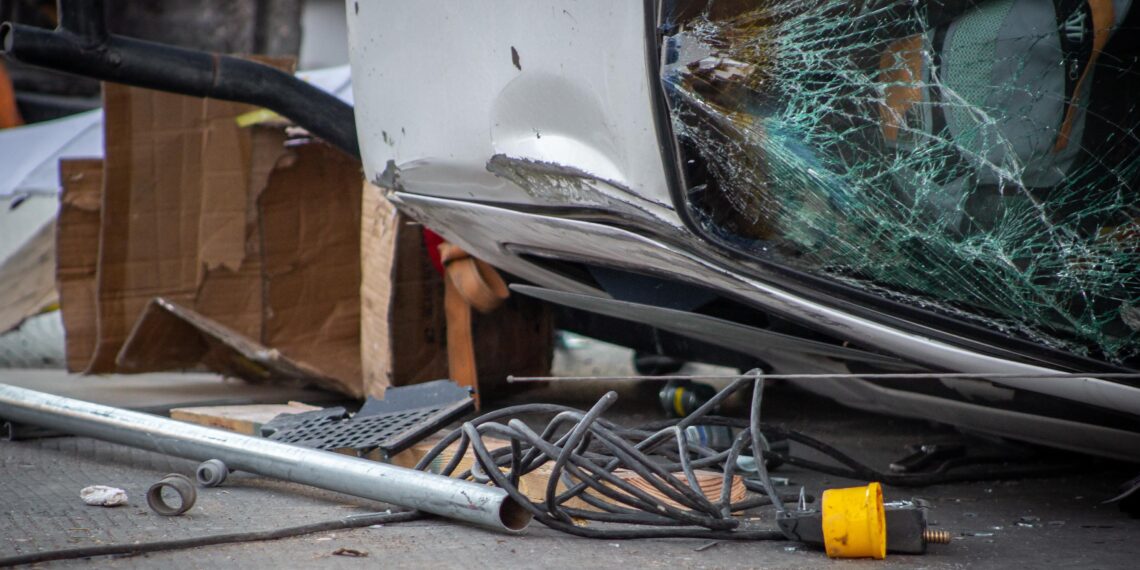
103, 496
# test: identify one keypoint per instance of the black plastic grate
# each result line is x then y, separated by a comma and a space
391, 431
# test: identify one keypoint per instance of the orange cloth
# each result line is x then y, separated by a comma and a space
9, 113
470, 283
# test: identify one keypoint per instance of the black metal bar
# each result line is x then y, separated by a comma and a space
82, 46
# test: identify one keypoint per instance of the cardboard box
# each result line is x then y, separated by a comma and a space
212, 244
177, 213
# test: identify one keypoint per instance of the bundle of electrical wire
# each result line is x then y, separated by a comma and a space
583, 457
586, 452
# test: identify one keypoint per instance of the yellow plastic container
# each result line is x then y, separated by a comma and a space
854, 523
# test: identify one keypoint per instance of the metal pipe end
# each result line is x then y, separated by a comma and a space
513, 516
6, 40
181, 486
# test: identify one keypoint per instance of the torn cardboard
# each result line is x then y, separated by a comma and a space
168, 335
267, 261
161, 233
27, 279
188, 202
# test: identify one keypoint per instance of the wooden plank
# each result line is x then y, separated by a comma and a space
533, 484
241, 419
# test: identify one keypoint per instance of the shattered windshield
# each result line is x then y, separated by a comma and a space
978, 158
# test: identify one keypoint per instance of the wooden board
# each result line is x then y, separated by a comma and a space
242, 419
533, 484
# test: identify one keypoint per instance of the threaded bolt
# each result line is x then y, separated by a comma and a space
932, 536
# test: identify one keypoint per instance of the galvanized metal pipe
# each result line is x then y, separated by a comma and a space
436, 494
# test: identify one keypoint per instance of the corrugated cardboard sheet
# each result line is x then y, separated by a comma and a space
310, 220
169, 158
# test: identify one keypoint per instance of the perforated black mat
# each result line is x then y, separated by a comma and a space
406, 415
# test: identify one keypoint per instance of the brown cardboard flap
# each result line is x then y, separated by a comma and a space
225, 195
27, 279
178, 216
310, 220
402, 325
77, 255
378, 233
168, 335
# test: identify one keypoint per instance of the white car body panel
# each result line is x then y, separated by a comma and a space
438, 93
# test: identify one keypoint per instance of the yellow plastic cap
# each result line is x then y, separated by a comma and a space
854, 524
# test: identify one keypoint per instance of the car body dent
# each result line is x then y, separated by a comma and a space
441, 109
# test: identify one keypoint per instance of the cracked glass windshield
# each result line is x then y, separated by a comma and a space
977, 158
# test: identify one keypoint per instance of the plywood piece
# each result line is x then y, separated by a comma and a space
241, 419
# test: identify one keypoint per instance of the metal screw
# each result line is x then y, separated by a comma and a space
932, 536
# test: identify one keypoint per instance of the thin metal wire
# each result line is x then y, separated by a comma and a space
841, 376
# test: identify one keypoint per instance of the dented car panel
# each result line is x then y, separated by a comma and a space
441, 110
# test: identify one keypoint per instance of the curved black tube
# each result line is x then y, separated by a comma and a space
82, 46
